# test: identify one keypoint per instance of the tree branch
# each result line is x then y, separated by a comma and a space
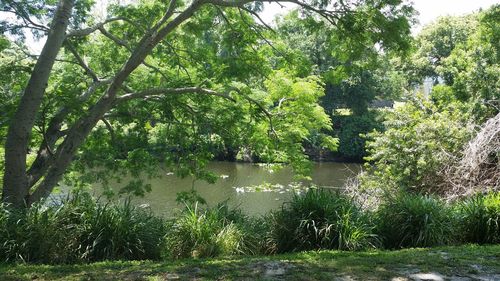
110, 129
172, 91
168, 14
259, 18
20, 12
261, 35
261, 107
115, 39
124, 44
91, 29
225, 3
81, 62
54, 133
329, 15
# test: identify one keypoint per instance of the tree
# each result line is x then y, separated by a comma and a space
355, 72
118, 58
471, 69
462, 53
436, 42
429, 144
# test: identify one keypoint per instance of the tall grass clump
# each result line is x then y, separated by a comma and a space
126, 232
32, 236
479, 218
79, 229
320, 219
208, 232
412, 220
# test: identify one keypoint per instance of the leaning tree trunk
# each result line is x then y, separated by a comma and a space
82, 127
17, 181
22, 187
16, 187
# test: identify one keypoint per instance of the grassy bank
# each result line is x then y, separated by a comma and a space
469, 261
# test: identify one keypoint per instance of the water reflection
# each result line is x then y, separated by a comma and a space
232, 185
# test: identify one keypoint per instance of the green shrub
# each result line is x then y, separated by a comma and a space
79, 229
209, 232
410, 220
420, 140
320, 219
480, 219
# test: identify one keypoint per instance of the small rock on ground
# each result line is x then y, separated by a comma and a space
431, 276
344, 278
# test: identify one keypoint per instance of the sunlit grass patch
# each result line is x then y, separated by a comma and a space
312, 265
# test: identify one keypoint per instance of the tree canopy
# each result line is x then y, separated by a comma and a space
164, 82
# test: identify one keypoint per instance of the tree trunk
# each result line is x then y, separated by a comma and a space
16, 187
82, 128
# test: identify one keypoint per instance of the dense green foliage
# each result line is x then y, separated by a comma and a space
436, 42
480, 218
2, 163
425, 137
216, 84
351, 129
79, 229
415, 221
420, 139
321, 219
353, 79
463, 53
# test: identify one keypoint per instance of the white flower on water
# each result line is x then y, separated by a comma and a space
240, 189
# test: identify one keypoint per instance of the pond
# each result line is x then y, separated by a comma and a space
237, 183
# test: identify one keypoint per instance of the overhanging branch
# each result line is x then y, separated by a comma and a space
91, 29
172, 91
228, 3
81, 62
124, 44
261, 107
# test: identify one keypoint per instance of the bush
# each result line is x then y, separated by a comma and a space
420, 141
79, 230
320, 219
415, 221
211, 232
480, 219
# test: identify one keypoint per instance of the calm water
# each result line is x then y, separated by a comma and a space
235, 182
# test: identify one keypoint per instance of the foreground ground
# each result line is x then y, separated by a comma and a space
446, 263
